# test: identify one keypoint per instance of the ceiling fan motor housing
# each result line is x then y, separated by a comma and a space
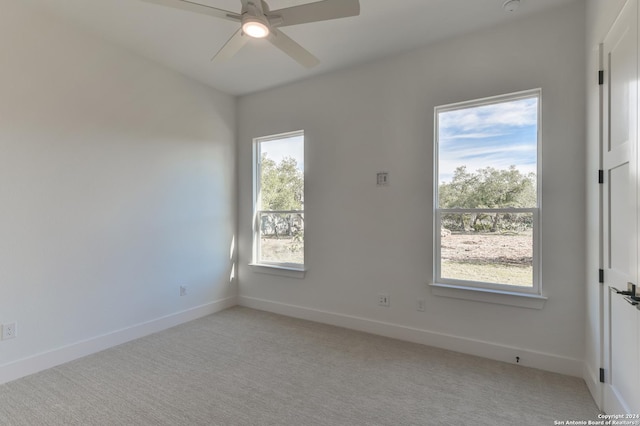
511, 5
255, 9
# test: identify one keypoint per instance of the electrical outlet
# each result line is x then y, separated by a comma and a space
183, 290
382, 178
383, 300
9, 331
420, 305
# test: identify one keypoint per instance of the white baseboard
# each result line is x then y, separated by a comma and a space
45, 360
528, 358
592, 379
614, 401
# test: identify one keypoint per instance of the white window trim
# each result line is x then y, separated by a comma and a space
528, 297
286, 269
522, 300
278, 269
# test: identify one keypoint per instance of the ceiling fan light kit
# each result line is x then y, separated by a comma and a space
257, 21
254, 28
254, 22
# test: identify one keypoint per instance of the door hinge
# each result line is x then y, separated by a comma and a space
602, 375
600, 176
601, 276
601, 77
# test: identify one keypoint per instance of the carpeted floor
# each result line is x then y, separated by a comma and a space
246, 367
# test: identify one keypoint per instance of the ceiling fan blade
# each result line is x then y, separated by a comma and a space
198, 8
293, 49
231, 47
313, 12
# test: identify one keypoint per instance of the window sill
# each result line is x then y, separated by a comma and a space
522, 300
283, 271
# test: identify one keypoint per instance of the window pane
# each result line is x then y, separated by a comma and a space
487, 155
487, 247
282, 174
282, 237
279, 226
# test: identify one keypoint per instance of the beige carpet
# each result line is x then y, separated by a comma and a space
246, 367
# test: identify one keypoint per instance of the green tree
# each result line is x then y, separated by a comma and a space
281, 185
460, 193
506, 188
282, 188
488, 188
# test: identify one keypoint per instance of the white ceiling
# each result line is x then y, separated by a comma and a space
186, 41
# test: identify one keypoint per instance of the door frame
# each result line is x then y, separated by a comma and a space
611, 400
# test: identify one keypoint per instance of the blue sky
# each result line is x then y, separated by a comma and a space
287, 147
496, 135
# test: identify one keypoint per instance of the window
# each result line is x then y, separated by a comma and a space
487, 197
278, 226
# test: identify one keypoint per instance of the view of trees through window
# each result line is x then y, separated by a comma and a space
487, 191
281, 200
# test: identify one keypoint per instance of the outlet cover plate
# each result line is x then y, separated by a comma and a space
383, 300
382, 178
9, 331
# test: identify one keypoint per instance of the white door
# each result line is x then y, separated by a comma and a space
620, 207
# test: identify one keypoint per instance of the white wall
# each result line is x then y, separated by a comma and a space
117, 185
363, 240
600, 16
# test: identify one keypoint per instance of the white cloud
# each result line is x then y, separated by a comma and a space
497, 135
523, 112
444, 139
523, 156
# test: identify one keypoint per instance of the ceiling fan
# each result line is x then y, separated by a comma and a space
257, 21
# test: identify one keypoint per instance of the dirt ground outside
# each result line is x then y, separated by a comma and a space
488, 257
282, 250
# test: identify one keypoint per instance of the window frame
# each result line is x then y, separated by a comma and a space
535, 291
295, 270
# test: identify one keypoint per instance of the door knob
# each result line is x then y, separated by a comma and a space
631, 290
